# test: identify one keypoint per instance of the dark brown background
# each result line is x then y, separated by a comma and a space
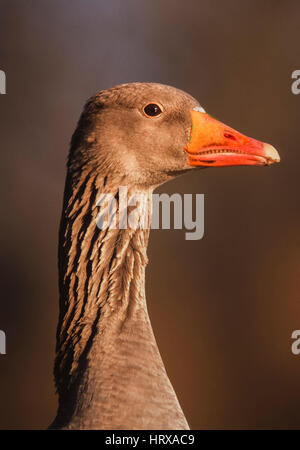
223, 308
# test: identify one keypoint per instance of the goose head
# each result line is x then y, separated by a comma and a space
148, 133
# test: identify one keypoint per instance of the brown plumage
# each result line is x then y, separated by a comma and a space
108, 370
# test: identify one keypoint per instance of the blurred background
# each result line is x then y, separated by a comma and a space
223, 308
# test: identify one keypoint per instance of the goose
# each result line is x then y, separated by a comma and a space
108, 370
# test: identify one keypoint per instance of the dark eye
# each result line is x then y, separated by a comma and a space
152, 110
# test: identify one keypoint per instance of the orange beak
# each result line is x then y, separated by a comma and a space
214, 144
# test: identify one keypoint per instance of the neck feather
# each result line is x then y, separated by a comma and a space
108, 369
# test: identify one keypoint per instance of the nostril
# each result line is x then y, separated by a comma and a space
229, 136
